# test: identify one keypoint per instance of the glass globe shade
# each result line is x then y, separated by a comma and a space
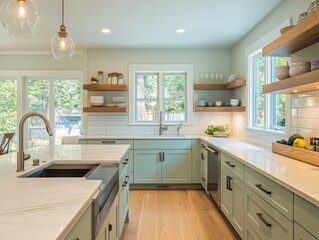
62, 46
19, 17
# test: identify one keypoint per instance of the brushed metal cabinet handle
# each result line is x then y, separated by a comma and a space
163, 156
160, 156
263, 220
227, 183
125, 183
108, 142
203, 179
202, 156
262, 189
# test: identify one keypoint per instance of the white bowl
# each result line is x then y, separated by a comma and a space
294, 71
97, 97
234, 104
218, 103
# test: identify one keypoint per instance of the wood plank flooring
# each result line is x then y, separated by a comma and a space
174, 215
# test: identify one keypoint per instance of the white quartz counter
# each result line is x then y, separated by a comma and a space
138, 137
37, 209
301, 178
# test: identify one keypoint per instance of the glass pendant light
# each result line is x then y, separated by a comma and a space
19, 17
62, 45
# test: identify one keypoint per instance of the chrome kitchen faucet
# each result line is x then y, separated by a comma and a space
21, 157
161, 127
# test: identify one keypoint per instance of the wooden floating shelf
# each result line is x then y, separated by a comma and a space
220, 109
305, 82
304, 34
223, 86
105, 87
105, 109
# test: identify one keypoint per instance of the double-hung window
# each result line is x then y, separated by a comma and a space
266, 111
160, 89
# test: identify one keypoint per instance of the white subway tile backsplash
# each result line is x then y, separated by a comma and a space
118, 124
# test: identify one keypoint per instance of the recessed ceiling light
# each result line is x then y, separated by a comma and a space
180, 30
105, 30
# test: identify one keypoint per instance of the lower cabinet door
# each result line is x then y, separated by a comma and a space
302, 234
265, 220
147, 167
109, 227
177, 166
83, 228
123, 200
233, 200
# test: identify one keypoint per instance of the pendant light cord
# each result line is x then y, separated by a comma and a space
62, 12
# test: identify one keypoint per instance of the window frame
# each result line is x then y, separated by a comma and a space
270, 99
22, 88
161, 69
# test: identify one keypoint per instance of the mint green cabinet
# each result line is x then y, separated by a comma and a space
195, 162
250, 233
233, 200
203, 165
83, 228
301, 234
162, 166
123, 196
162, 161
307, 215
109, 227
267, 222
177, 166
147, 166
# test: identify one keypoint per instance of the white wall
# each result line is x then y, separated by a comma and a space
289, 8
117, 60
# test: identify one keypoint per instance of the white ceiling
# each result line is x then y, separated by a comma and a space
144, 23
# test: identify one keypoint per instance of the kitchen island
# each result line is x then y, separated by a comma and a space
48, 208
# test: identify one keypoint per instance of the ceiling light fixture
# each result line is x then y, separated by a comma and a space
105, 30
62, 45
180, 30
19, 17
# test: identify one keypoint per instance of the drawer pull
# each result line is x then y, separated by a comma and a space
202, 156
127, 179
108, 142
262, 189
263, 220
126, 161
229, 187
229, 164
203, 180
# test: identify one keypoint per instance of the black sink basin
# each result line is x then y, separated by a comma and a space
62, 170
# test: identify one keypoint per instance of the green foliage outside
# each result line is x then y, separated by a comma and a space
8, 106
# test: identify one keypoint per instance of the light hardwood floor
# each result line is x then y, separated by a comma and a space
174, 215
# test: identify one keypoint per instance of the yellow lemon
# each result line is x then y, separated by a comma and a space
300, 143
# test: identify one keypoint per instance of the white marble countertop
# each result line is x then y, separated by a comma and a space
299, 177
138, 137
47, 208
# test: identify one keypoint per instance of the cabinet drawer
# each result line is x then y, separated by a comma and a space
123, 165
163, 144
307, 215
250, 233
265, 220
111, 141
237, 167
277, 196
302, 234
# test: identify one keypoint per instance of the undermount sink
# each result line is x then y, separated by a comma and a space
62, 170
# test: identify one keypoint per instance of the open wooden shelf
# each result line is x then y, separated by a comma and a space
305, 82
105, 87
104, 109
220, 109
223, 86
304, 34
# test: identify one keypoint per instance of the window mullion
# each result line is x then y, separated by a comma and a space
160, 95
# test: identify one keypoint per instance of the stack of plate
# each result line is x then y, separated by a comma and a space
299, 68
97, 101
313, 7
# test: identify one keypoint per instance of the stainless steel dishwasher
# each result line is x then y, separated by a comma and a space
213, 176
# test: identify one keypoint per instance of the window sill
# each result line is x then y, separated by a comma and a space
269, 131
